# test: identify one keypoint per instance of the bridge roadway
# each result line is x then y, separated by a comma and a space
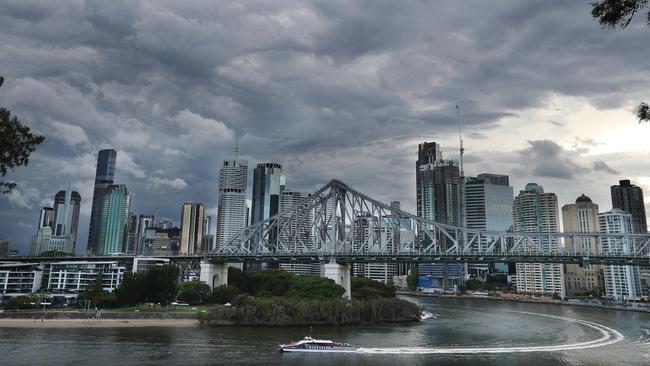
368, 257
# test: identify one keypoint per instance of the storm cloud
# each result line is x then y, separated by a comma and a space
330, 89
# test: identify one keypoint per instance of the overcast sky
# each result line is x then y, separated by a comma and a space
330, 89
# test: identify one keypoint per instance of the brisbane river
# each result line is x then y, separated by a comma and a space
458, 332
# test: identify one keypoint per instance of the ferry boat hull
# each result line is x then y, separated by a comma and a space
311, 345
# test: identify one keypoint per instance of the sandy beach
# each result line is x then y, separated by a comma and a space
104, 323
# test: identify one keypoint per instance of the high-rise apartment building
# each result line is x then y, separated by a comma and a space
536, 211
438, 189
231, 206
66, 217
144, 222
488, 205
268, 183
113, 214
629, 198
621, 282
297, 232
192, 217
582, 217
46, 217
104, 176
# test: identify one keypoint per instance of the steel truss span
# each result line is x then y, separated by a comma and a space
340, 223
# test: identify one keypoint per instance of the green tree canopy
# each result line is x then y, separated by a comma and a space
366, 289
17, 142
314, 287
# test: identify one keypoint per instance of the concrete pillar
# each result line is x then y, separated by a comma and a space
340, 273
213, 274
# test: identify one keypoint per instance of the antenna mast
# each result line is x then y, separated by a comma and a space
460, 138
236, 146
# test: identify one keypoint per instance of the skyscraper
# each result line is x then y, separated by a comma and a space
46, 217
438, 199
582, 217
192, 217
621, 282
535, 211
66, 216
113, 217
488, 200
268, 183
104, 176
144, 222
629, 198
297, 233
231, 206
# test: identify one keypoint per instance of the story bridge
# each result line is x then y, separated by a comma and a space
339, 226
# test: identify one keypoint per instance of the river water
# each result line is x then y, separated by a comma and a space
460, 332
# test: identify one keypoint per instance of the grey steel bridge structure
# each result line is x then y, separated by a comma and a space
342, 225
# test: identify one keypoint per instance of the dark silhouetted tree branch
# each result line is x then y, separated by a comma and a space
17, 142
619, 13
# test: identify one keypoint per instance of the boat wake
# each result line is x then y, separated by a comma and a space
608, 336
427, 315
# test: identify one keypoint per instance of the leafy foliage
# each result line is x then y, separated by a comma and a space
31, 301
193, 292
366, 289
413, 277
17, 142
643, 112
315, 288
157, 285
224, 294
291, 311
617, 13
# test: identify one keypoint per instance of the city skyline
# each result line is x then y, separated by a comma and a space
171, 124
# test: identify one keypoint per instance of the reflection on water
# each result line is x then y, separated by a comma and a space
459, 323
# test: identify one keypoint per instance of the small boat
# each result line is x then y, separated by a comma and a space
309, 344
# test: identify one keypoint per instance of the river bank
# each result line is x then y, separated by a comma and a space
525, 300
96, 323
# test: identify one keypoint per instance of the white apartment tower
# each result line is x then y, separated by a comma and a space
621, 282
535, 211
231, 206
297, 231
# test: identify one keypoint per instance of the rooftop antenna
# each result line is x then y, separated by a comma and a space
236, 146
462, 215
460, 137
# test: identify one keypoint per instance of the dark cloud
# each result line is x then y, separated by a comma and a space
545, 158
601, 166
329, 88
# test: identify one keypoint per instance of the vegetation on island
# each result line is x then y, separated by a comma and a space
277, 298
268, 297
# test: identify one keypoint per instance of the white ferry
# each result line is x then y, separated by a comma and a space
309, 344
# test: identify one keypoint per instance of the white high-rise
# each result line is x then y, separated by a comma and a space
297, 232
621, 282
536, 211
231, 207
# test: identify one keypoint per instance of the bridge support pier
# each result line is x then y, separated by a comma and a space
214, 275
340, 273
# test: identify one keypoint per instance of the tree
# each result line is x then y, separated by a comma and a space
17, 142
201, 288
619, 13
315, 288
130, 291
224, 294
366, 289
160, 284
412, 278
